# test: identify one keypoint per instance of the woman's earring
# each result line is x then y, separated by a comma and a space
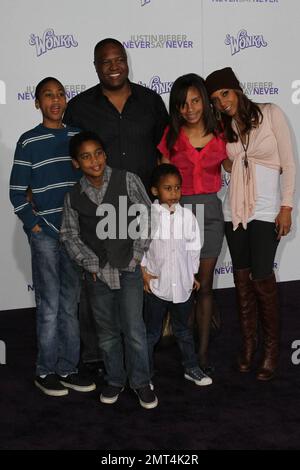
218, 115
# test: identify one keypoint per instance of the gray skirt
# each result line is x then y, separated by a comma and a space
213, 231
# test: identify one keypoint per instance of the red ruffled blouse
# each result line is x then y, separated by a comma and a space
200, 170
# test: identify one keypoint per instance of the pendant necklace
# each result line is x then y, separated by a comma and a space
244, 145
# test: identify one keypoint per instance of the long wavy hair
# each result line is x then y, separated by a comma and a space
249, 113
177, 99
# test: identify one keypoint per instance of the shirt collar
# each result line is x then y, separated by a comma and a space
132, 85
163, 209
85, 184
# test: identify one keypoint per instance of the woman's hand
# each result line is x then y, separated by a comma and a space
283, 221
227, 165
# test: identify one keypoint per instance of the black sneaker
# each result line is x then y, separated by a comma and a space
50, 385
78, 383
147, 397
110, 394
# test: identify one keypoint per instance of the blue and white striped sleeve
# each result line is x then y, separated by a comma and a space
20, 180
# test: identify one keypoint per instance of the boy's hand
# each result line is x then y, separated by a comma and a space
36, 229
94, 275
196, 285
147, 278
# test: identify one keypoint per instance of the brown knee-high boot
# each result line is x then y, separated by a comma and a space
268, 308
247, 311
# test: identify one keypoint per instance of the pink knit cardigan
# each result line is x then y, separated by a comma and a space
269, 145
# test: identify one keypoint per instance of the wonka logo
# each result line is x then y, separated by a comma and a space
50, 41
243, 41
157, 85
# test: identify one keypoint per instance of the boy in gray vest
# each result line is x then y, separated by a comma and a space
100, 236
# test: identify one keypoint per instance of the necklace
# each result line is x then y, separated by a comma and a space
245, 144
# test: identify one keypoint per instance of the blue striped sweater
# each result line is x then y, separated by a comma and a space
42, 162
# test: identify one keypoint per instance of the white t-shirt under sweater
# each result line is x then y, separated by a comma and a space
267, 203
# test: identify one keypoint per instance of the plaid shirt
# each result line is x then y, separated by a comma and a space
70, 229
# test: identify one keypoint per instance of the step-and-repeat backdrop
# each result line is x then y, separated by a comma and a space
163, 39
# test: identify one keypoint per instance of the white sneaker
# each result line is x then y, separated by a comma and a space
197, 376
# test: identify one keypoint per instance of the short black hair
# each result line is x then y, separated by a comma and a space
106, 41
163, 170
40, 85
78, 139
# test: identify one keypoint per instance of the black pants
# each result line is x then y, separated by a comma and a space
253, 248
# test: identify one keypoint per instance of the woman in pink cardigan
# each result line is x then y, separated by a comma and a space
256, 212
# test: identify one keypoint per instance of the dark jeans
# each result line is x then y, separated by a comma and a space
155, 311
89, 340
119, 319
253, 248
56, 281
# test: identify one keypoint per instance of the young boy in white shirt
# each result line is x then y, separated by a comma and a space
169, 268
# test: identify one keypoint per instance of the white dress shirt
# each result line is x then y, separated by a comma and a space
174, 252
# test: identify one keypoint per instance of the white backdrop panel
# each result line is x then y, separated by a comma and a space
164, 39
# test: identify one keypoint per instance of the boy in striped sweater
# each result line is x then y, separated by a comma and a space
42, 164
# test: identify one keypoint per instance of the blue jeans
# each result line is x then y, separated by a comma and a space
89, 340
119, 318
155, 311
56, 280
